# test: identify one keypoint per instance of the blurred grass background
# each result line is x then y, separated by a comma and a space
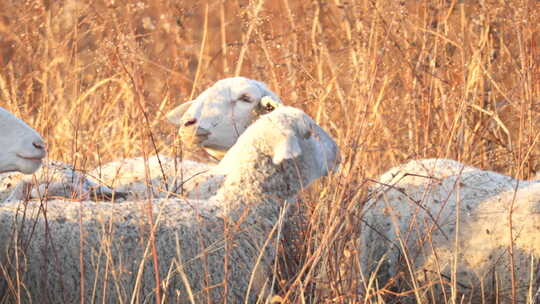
390, 80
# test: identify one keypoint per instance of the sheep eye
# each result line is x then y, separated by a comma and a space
308, 134
244, 98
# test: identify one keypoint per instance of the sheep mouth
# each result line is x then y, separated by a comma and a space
31, 158
203, 141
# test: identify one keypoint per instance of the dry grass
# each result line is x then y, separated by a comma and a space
391, 80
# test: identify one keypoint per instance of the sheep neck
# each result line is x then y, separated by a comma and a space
260, 187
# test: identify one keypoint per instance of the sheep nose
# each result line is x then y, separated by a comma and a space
39, 145
190, 122
201, 132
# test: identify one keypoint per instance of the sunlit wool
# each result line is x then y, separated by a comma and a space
451, 215
53, 180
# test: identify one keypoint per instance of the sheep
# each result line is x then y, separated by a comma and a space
22, 147
220, 114
208, 250
54, 179
456, 225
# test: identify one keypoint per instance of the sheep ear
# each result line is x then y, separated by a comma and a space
175, 115
270, 103
267, 104
287, 148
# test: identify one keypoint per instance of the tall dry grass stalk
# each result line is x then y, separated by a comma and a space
391, 80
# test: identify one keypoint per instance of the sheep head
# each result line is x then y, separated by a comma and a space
286, 145
300, 139
23, 149
220, 114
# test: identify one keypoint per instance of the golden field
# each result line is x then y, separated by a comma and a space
390, 80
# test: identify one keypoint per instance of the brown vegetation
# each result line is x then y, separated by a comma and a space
391, 80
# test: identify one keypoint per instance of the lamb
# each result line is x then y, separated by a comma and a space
22, 147
208, 250
463, 213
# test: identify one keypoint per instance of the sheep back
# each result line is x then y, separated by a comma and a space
158, 176
464, 217
115, 251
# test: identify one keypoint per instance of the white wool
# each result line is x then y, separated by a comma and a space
282, 127
418, 171
157, 176
53, 180
22, 148
424, 211
194, 238
216, 118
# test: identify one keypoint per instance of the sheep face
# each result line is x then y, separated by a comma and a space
217, 117
304, 140
22, 148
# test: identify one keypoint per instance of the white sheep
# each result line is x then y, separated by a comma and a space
22, 147
208, 250
220, 114
449, 226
